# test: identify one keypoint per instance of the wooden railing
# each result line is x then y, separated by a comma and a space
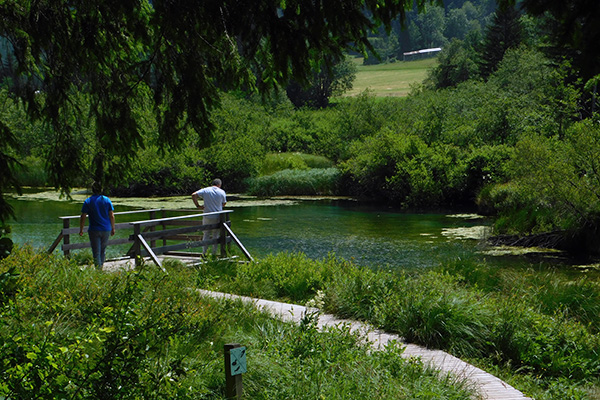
184, 230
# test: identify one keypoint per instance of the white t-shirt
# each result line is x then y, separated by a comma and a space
214, 198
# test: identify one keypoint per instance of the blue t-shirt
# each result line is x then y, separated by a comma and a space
213, 197
98, 208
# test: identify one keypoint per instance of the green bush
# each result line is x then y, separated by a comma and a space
233, 162
164, 173
553, 188
405, 171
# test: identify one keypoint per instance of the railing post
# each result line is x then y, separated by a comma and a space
164, 226
137, 252
152, 229
66, 238
223, 233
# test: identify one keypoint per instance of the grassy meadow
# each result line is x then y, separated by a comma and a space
390, 79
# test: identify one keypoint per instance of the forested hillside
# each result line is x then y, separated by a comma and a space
436, 26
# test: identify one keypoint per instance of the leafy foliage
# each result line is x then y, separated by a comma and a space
556, 186
456, 64
121, 55
572, 29
324, 84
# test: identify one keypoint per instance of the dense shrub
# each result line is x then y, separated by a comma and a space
456, 63
404, 170
33, 172
554, 187
233, 162
164, 173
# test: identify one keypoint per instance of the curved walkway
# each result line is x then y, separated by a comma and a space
487, 385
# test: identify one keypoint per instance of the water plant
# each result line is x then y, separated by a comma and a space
314, 181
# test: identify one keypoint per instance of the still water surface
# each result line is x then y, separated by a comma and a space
371, 236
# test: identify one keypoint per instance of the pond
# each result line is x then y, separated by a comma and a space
372, 236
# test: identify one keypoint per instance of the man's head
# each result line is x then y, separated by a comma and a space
217, 182
96, 188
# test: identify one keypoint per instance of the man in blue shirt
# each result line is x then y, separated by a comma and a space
214, 199
100, 210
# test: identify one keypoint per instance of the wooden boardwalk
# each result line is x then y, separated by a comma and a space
487, 386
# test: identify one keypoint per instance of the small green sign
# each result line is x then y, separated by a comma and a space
238, 360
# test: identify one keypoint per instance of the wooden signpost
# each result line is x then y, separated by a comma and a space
235, 366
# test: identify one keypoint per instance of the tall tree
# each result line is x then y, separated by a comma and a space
456, 64
179, 52
575, 29
324, 84
504, 33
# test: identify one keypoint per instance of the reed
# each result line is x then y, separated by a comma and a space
275, 162
309, 182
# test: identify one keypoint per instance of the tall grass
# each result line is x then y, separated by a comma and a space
315, 181
73, 332
275, 162
518, 326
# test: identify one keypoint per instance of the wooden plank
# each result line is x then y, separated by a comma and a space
173, 232
187, 245
160, 220
67, 231
238, 242
185, 223
66, 237
55, 243
83, 245
186, 238
117, 213
136, 250
184, 254
150, 252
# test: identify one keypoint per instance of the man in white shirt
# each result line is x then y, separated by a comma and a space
214, 199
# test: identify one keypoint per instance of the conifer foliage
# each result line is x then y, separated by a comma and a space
87, 61
504, 33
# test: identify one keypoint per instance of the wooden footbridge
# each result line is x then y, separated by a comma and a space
159, 234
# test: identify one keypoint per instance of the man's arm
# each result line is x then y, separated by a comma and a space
111, 215
195, 200
82, 223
